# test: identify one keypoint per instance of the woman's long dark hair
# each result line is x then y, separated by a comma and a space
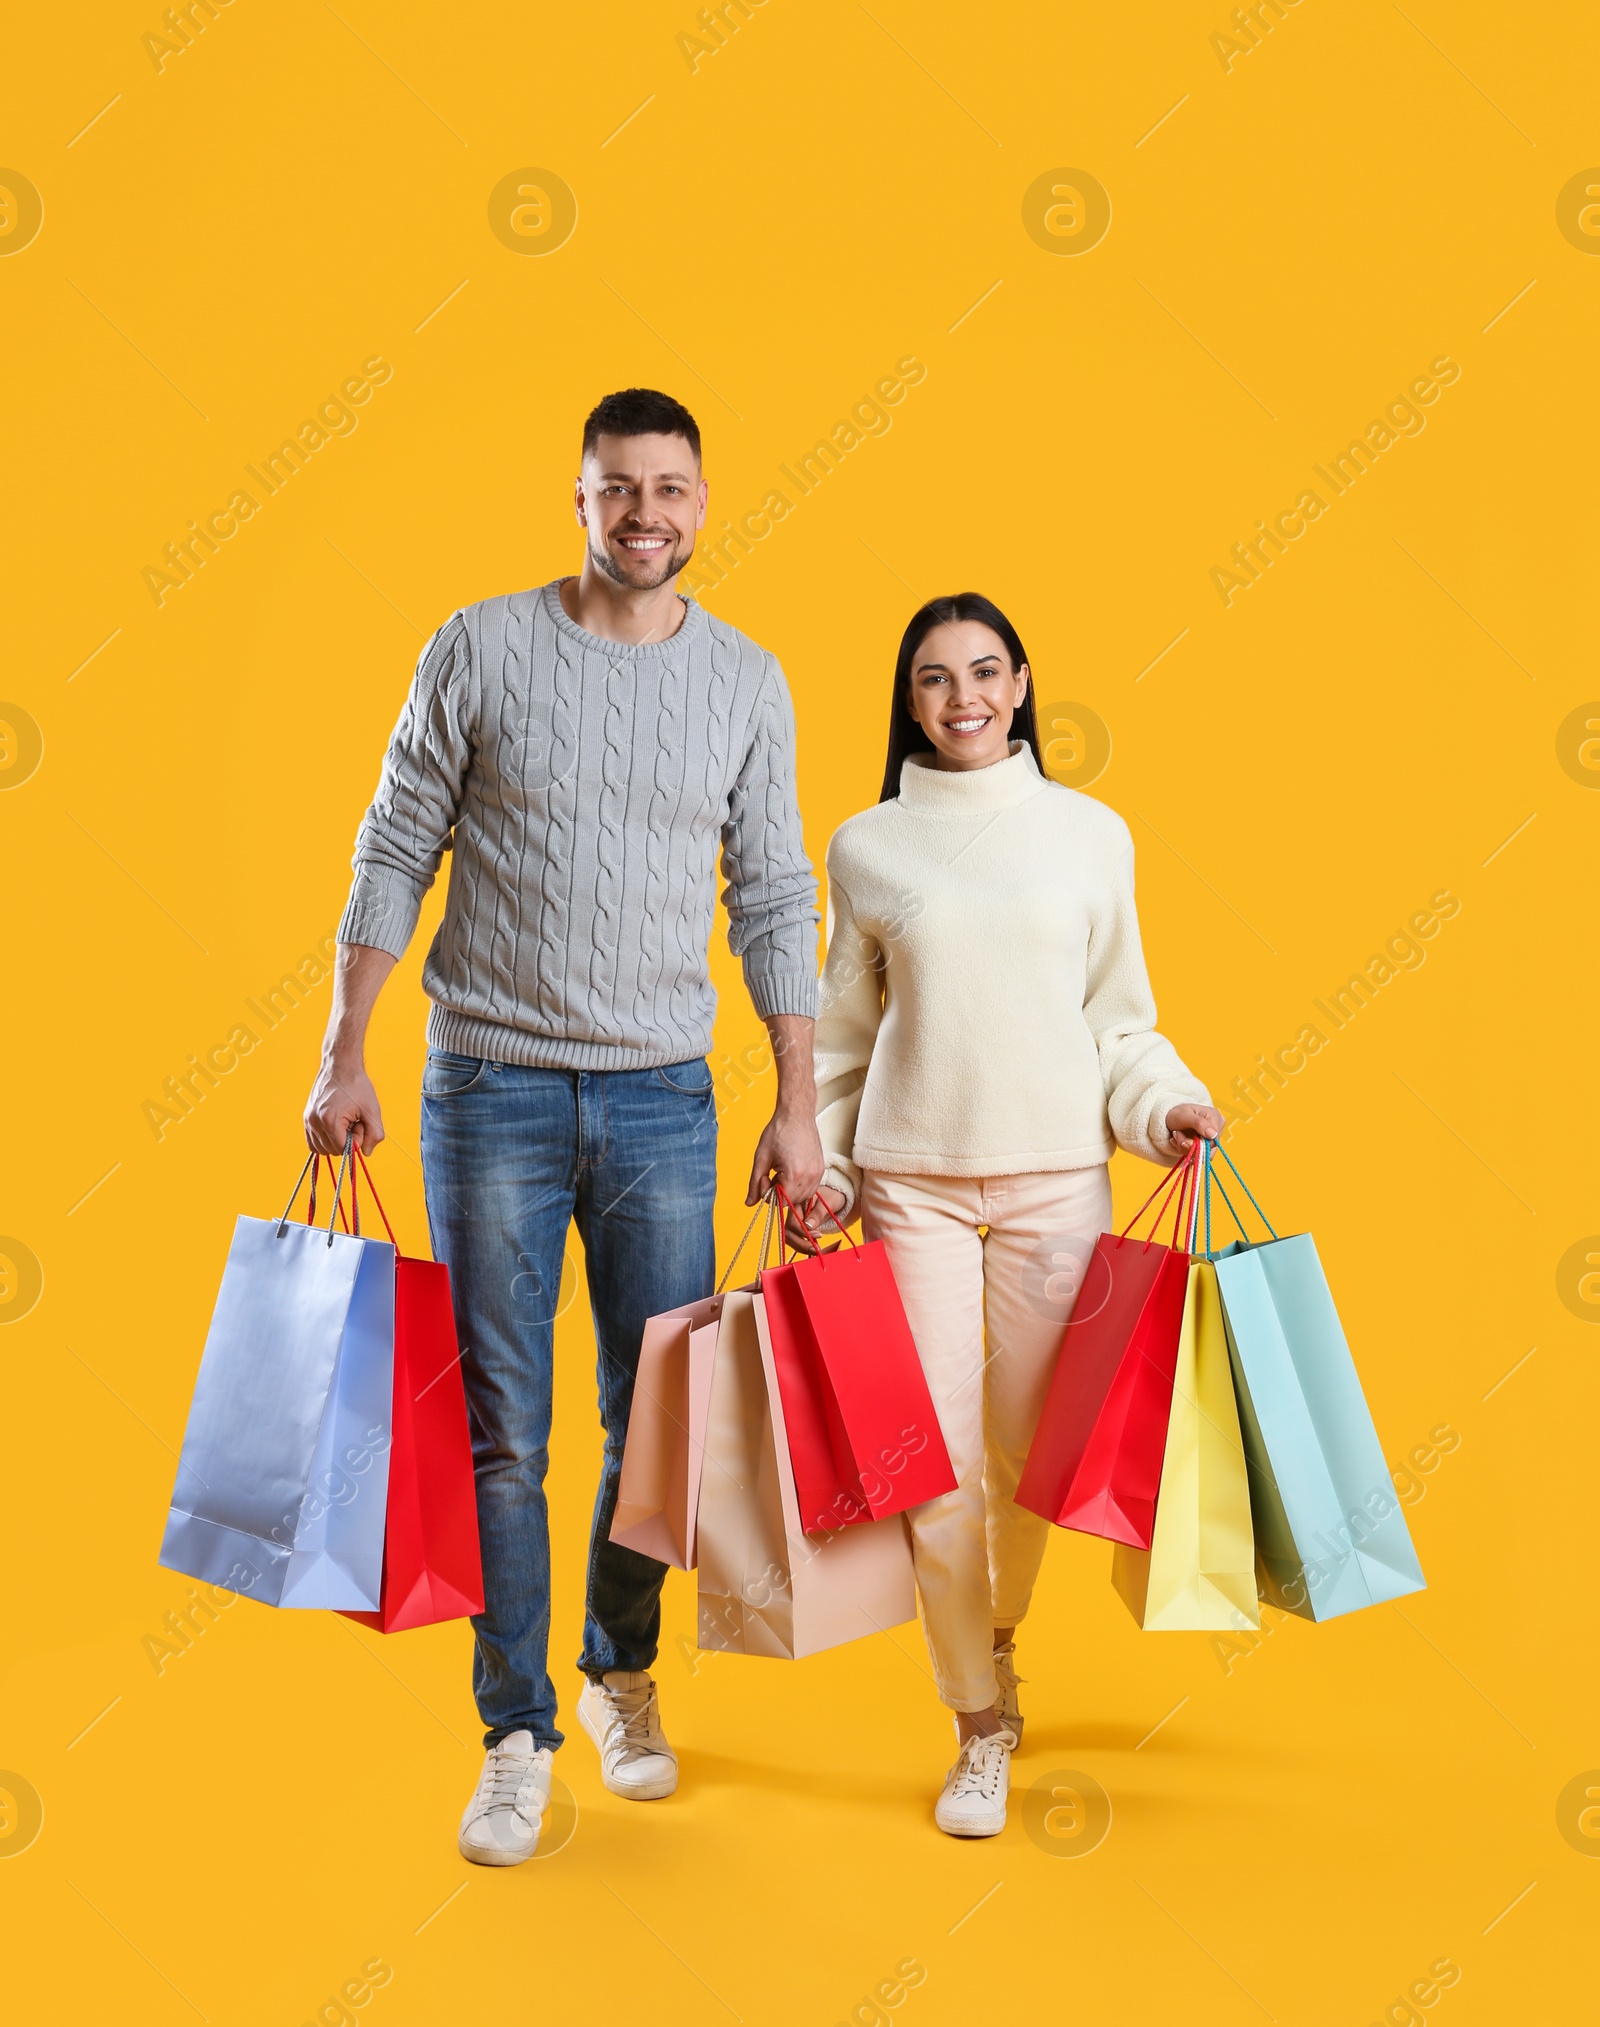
905, 734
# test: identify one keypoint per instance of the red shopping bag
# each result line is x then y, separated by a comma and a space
863, 1436
1095, 1461
432, 1569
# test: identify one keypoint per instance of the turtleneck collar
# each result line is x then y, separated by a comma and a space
938, 791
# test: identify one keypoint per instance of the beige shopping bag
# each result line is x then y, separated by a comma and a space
766, 1587
658, 1494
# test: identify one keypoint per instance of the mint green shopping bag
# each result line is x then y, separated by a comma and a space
1330, 1535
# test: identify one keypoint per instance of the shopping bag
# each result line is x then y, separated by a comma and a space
767, 1587
432, 1568
1198, 1574
1095, 1460
283, 1479
658, 1492
864, 1437
663, 1453
706, 1480
1330, 1534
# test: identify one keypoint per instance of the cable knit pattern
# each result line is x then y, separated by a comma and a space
581, 785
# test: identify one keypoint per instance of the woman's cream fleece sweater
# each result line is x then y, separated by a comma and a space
985, 1008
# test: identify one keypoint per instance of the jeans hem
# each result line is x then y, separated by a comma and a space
495, 1733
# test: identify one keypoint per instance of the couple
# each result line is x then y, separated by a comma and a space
986, 1039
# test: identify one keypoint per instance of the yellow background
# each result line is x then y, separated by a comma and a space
226, 242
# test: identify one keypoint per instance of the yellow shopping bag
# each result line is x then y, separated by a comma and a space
1199, 1573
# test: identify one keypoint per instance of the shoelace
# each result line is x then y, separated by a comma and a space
977, 1771
505, 1777
633, 1710
1004, 1674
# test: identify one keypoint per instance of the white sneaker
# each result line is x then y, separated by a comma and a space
501, 1824
973, 1803
1006, 1682
619, 1713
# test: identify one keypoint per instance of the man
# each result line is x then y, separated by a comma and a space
579, 749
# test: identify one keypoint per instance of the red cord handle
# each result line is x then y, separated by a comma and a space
1182, 1175
815, 1197
311, 1201
361, 1163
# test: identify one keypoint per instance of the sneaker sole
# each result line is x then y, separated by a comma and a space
634, 1791
969, 1829
476, 1855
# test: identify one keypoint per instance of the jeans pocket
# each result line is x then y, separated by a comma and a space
447, 1075
689, 1080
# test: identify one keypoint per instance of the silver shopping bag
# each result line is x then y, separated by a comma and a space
283, 1483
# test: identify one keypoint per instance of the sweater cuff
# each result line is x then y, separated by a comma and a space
845, 1177
1158, 1141
381, 922
791, 993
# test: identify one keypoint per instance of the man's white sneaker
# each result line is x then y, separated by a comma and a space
1006, 1681
501, 1824
973, 1803
619, 1713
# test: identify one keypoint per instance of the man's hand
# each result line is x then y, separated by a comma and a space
342, 1098
791, 1151
791, 1147
1188, 1123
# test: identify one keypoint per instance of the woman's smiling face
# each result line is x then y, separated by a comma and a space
964, 692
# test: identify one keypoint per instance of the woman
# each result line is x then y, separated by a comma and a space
987, 1038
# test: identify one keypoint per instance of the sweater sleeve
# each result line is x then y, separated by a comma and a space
1142, 1073
849, 1016
771, 895
406, 832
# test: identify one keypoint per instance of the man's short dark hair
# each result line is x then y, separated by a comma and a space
640, 411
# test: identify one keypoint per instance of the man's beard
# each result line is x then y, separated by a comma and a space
675, 558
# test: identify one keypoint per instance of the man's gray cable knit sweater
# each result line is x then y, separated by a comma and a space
582, 785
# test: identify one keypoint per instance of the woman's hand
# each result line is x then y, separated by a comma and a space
802, 1224
1188, 1123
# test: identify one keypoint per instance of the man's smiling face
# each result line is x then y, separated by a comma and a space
641, 499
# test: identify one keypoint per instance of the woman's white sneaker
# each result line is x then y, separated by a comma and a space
1006, 1682
973, 1803
619, 1712
501, 1823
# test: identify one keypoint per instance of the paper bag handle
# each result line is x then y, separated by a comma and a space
777, 1189
1179, 1176
353, 1159
762, 1209
313, 1165
1260, 1213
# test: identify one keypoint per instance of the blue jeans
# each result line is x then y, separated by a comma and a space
510, 1158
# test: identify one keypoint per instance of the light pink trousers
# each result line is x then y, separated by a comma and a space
988, 1268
